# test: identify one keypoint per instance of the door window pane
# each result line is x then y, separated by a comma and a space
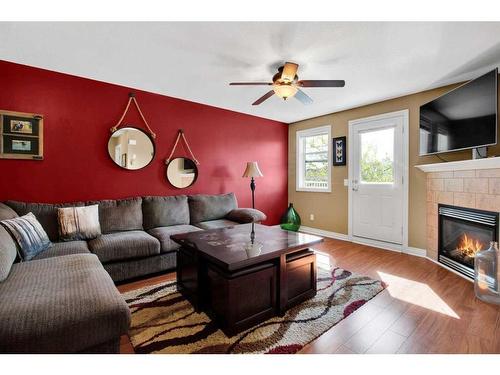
377, 156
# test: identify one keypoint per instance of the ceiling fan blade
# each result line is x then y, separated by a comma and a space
289, 71
302, 97
250, 84
263, 97
321, 83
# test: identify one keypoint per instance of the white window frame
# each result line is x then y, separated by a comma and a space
299, 162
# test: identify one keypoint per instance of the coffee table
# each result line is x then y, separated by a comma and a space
243, 275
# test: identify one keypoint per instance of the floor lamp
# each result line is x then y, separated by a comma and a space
252, 170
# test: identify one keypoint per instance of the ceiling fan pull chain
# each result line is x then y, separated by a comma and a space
131, 98
179, 135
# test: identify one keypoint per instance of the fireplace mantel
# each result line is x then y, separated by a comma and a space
462, 165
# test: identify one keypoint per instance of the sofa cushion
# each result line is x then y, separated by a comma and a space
6, 212
164, 211
126, 270
210, 207
246, 215
60, 305
29, 235
8, 253
119, 215
45, 213
58, 249
124, 245
215, 224
163, 235
78, 223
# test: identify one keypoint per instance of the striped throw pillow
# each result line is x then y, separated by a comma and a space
29, 234
78, 223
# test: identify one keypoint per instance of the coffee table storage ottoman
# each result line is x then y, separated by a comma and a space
188, 276
241, 299
301, 277
237, 289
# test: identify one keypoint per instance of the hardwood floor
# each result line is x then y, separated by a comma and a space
425, 308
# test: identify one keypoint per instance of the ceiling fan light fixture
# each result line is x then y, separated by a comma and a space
286, 83
285, 91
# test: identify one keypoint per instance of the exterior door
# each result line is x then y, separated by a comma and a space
377, 178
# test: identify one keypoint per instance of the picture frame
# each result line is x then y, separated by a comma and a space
21, 135
339, 151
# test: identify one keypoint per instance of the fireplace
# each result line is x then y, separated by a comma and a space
462, 232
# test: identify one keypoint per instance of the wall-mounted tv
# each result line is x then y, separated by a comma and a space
461, 119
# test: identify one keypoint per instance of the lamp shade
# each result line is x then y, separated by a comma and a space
252, 170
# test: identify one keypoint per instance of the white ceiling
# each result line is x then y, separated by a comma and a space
196, 61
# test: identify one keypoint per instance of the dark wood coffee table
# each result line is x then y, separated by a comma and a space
245, 274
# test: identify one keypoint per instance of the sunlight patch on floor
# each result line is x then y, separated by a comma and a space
416, 293
323, 260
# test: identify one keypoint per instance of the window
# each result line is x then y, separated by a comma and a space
377, 156
313, 159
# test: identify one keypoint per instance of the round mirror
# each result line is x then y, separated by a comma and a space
182, 172
131, 148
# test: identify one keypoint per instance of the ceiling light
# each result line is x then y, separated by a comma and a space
285, 91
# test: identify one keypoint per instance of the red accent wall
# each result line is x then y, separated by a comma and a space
78, 114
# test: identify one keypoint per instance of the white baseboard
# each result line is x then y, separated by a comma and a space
324, 233
378, 244
415, 251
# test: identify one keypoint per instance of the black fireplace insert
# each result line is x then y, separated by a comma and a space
462, 232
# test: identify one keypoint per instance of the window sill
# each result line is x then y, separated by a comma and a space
310, 190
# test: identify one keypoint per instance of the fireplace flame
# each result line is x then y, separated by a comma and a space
469, 246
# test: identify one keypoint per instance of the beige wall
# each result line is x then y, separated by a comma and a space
330, 209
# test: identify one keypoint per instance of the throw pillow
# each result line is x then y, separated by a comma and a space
46, 214
78, 223
29, 235
246, 215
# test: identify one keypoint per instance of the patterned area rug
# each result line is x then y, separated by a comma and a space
165, 322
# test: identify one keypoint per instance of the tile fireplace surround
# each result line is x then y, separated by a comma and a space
471, 183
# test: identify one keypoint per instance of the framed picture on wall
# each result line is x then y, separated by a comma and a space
339, 151
21, 135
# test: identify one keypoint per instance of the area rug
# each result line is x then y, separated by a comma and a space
165, 322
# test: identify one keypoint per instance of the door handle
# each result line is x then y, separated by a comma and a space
355, 185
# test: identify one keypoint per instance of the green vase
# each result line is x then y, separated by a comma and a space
290, 219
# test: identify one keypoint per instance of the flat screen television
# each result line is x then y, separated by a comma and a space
461, 119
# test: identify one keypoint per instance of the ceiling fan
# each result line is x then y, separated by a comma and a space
286, 84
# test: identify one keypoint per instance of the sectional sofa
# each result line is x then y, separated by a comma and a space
65, 300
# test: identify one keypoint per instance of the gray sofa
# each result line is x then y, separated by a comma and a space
136, 232
64, 300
